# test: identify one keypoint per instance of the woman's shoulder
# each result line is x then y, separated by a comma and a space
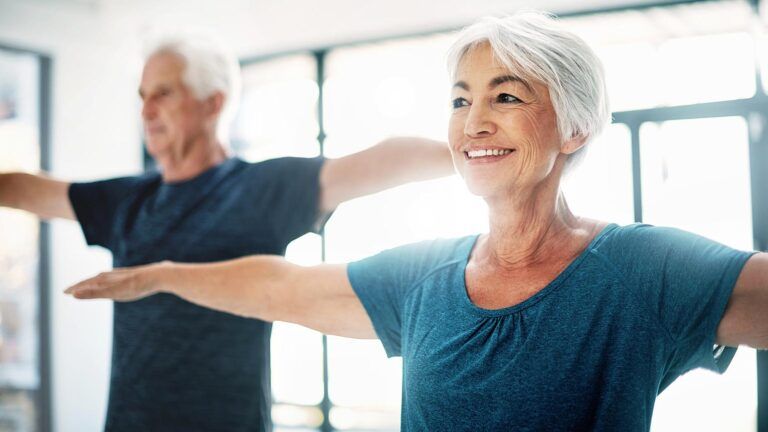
434, 251
404, 266
411, 261
643, 236
642, 247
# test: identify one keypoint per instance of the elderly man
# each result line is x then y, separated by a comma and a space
177, 366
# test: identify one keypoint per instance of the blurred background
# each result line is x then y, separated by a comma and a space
687, 149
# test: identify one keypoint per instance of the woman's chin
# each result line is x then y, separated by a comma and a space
482, 187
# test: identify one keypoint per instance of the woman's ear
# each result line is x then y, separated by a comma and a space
573, 144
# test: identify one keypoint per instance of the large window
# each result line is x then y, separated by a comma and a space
278, 117
696, 177
23, 378
685, 96
374, 91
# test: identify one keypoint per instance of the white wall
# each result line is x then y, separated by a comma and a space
96, 50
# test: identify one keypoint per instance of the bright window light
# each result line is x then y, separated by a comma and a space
696, 177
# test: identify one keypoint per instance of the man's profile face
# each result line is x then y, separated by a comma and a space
173, 117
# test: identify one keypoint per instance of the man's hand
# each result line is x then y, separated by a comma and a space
126, 284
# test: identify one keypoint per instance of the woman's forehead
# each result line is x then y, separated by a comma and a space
481, 68
480, 62
480, 56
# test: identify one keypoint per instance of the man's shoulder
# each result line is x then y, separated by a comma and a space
291, 172
283, 163
122, 185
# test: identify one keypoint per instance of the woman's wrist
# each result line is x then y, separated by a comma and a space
159, 277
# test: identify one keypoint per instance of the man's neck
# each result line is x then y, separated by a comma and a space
185, 165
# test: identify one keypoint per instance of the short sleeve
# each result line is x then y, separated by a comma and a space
688, 280
384, 281
294, 186
96, 205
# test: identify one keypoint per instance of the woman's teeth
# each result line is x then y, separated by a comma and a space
489, 152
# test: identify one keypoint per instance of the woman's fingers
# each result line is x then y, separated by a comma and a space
120, 285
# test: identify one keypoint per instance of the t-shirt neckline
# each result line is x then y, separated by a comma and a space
203, 176
551, 286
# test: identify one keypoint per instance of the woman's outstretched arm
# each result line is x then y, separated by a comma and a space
745, 321
266, 287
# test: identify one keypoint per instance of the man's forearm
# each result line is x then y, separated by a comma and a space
46, 198
410, 159
7, 187
392, 162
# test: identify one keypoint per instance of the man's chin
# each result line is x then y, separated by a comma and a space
156, 148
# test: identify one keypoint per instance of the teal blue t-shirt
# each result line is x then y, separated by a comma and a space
591, 351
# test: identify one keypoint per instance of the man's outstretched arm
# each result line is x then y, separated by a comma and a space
390, 163
43, 196
264, 286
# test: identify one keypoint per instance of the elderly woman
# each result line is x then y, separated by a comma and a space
548, 322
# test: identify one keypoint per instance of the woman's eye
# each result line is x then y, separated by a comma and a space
459, 102
507, 98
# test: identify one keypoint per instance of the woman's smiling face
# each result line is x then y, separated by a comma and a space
503, 130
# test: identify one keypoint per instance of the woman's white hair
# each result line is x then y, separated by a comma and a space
208, 68
534, 46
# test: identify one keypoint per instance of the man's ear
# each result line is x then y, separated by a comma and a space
215, 103
573, 144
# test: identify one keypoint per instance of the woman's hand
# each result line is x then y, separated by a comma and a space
123, 284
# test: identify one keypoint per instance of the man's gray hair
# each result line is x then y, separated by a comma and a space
209, 67
533, 45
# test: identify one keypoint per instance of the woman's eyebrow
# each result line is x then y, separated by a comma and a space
462, 85
495, 82
499, 80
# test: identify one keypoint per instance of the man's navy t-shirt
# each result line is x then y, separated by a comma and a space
177, 366
589, 352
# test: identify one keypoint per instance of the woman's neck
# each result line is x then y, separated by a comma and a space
532, 228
